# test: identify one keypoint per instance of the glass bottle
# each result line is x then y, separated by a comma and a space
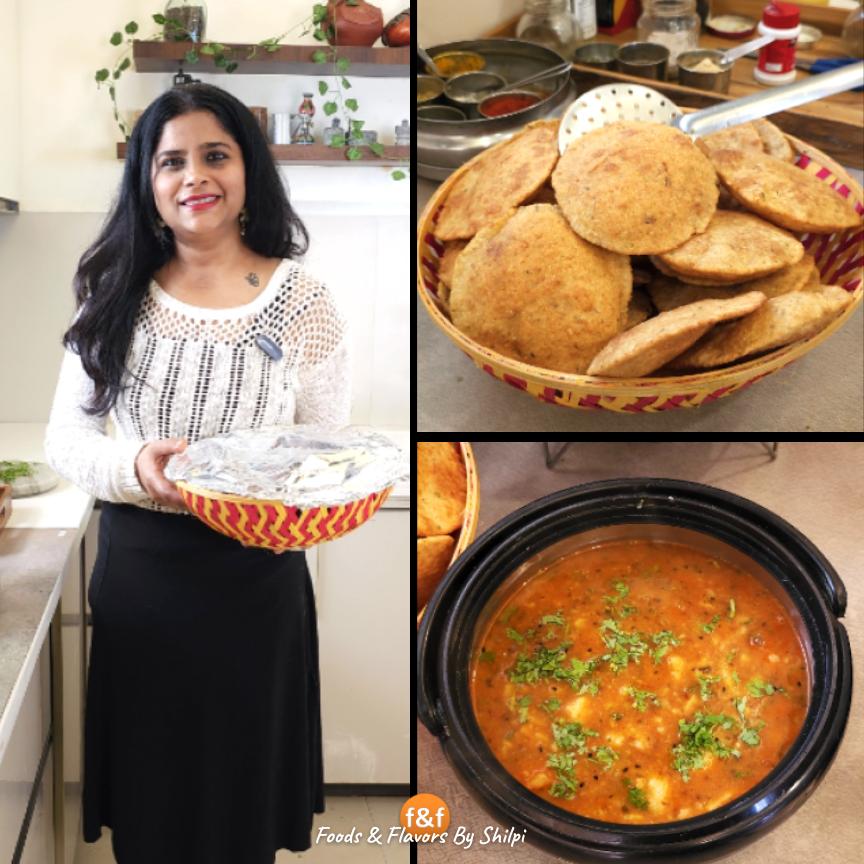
853, 33
306, 111
549, 23
673, 23
191, 20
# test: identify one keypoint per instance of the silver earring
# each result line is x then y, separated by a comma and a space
244, 218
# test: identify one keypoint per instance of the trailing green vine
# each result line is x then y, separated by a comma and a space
315, 23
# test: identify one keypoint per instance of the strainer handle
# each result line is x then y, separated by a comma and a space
757, 105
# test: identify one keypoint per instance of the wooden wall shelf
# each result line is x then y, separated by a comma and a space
321, 154
287, 60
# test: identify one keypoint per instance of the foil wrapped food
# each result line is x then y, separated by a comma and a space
304, 465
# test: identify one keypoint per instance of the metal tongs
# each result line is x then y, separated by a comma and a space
612, 102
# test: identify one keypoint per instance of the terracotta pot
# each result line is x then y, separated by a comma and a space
397, 33
353, 25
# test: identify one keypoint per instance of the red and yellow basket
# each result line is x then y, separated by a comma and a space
838, 256
273, 524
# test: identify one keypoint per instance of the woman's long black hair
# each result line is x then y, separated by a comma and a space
114, 273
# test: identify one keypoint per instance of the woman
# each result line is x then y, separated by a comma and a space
202, 733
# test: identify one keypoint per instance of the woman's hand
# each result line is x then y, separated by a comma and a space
150, 468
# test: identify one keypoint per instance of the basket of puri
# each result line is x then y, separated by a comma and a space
448, 507
577, 324
273, 522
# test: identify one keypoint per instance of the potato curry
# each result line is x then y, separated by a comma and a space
639, 682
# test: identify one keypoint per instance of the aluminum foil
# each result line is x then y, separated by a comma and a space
305, 466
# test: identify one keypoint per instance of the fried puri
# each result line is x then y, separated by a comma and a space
529, 288
441, 488
636, 188
782, 193
500, 180
779, 321
650, 345
735, 247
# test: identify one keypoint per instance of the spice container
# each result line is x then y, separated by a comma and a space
704, 69
644, 59
777, 59
673, 23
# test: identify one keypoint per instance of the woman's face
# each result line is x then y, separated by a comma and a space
196, 156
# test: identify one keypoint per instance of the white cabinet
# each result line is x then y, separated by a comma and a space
363, 598
19, 771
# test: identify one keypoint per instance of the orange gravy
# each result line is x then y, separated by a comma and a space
640, 682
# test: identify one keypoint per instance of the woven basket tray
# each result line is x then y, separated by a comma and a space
838, 256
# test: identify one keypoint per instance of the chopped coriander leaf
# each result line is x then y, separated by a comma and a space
740, 705
548, 663
557, 618
750, 736
550, 705
731, 655
605, 756
758, 687
505, 618
731, 607
565, 785
626, 611
621, 591
591, 686
572, 736
663, 640
641, 698
711, 625
635, 795
514, 634
698, 738
523, 704
624, 646
487, 657
705, 682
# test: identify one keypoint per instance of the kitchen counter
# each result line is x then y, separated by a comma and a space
826, 504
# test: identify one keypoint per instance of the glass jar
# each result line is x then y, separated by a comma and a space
673, 23
549, 23
185, 21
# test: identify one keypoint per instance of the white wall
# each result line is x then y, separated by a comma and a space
68, 134
68, 175
450, 20
9, 187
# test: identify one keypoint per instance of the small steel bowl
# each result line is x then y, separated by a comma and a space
600, 54
469, 61
690, 77
441, 112
429, 88
489, 102
644, 59
469, 88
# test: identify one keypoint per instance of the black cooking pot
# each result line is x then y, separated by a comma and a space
723, 524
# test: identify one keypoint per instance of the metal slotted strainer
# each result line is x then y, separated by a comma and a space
613, 102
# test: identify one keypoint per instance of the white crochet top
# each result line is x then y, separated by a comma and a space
199, 373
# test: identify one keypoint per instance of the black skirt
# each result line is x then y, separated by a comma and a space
203, 733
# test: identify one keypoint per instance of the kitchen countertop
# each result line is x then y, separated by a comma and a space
822, 391
829, 476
